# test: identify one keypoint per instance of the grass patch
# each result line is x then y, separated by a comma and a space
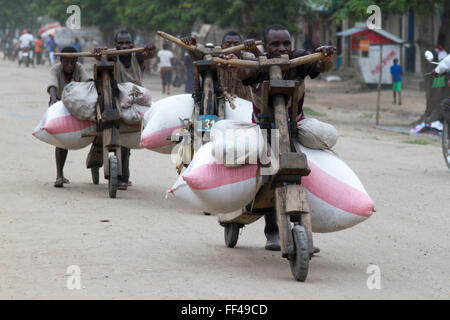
420, 142
367, 115
310, 112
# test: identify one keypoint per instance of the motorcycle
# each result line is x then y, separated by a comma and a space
25, 56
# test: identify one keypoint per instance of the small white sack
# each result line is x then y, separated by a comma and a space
236, 143
59, 128
315, 134
242, 112
131, 94
134, 114
212, 187
80, 99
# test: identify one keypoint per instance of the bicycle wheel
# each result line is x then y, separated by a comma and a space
446, 143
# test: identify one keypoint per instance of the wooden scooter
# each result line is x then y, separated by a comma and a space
282, 191
107, 137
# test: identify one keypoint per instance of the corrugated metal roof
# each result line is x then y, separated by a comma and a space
381, 32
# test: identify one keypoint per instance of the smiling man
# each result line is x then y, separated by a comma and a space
277, 42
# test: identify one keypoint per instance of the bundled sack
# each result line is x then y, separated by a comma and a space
336, 197
134, 114
61, 129
80, 99
315, 134
166, 115
235, 143
211, 187
131, 94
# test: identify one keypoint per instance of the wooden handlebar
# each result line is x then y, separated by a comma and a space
175, 40
251, 64
306, 59
237, 48
195, 48
109, 52
238, 63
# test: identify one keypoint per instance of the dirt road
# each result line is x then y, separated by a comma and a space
141, 246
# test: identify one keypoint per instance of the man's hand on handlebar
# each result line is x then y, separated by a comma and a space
227, 66
190, 41
98, 52
328, 52
250, 46
149, 51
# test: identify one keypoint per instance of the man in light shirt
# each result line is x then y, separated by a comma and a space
26, 40
165, 67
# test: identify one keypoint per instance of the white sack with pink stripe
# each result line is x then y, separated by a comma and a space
166, 117
336, 196
211, 187
59, 128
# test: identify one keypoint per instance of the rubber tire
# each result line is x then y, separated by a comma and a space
95, 175
231, 232
113, 177
446, 143
300, 262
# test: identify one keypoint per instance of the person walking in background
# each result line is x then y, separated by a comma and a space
51, 48
165, 57
38, 50
396, 73
77, 45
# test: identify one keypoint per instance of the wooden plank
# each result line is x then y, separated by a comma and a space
241, 216
296, 201
265, 197
284, 225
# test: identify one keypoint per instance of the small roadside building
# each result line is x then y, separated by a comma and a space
363, 49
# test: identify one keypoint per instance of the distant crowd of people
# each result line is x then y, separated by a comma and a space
35, 49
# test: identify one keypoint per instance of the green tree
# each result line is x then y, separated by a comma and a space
101, 13
251, 17
173, 16
18, 14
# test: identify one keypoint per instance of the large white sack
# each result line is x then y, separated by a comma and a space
80, 99
237, 143
59, 128
316, 134
212, 187
131, 93
164, 118
336, 196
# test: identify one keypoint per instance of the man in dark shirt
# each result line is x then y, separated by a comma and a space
277, 42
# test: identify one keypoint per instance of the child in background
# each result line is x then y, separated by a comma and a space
396, 73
